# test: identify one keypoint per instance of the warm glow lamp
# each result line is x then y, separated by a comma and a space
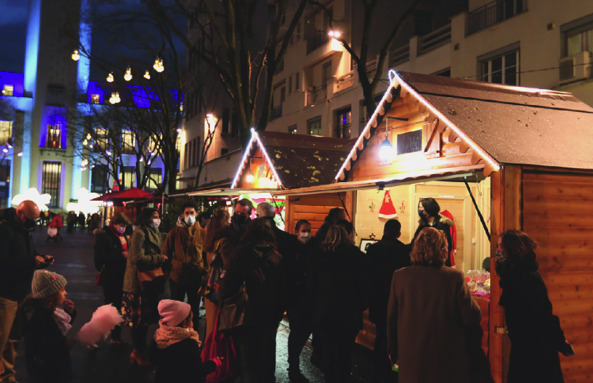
386, 151
249, 178
110, 77
75, 55
128, 74
158, 65
114, 99
147, 75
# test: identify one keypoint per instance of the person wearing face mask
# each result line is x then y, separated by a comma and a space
183, 246
139, 302
428, 211
535, 333
18, 261
242, 216
110, 255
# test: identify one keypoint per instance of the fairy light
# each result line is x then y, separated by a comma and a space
128, 74
147, 75
110, 77
158, 65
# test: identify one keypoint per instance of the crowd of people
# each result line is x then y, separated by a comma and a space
427, 324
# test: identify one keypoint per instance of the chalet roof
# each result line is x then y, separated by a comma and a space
503, 124
298, 160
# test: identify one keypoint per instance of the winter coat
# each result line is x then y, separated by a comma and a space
384, 257
338, 284
428, 314
17, 257
109, 257
46, 350
183, 246
534, 331
144, 254
180, 363
258, 265
443, 224
56, 222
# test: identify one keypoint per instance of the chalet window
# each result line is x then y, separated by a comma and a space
501, 67
5, 131
128, 142
292, 129
154, 144
99, 179
344, 123
54, 136
51, 181
409, 142
196, 152
314, 126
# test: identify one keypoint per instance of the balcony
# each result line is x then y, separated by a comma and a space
344, 82
399, 55
434, 39
316, 94
316, 39
493, 13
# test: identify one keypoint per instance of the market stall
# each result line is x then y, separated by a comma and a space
496, 158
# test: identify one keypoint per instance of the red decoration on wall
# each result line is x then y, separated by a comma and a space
387, 210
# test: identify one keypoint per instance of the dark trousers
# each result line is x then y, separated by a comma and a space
257, 353
112, 293
139, 333
178, 293
383, 372
300, 330
336, 352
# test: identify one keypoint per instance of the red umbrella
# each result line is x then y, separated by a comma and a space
133, 193
105, 197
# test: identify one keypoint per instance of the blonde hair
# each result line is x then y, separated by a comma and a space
336, 237
430, 248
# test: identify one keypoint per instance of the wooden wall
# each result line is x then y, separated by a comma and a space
558, 214
314, 208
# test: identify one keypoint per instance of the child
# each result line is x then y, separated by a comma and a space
48, 316
175, 349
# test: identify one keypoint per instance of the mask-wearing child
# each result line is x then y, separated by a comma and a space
48, 317
176, 347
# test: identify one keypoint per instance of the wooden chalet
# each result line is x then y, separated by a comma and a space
497, 157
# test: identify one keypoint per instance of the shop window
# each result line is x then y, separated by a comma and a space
501, 67
5, 132
51, 181
344, 123
292, 129
128, 140
99, 179
8, 90
314, 126
54, 136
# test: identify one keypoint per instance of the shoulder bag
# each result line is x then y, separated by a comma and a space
232, 312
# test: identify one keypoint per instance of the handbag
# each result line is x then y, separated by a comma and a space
152, 280
219, 344
232, 312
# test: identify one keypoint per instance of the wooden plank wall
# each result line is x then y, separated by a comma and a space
314, 208
558, 214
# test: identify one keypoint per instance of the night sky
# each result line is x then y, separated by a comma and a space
13, 31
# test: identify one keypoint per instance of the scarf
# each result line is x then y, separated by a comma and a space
166, 336
62, 319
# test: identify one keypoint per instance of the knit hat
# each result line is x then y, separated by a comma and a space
173, 312
45, 283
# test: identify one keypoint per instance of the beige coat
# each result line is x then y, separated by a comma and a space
149, 256
426, 317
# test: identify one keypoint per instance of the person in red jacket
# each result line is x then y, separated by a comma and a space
57, 222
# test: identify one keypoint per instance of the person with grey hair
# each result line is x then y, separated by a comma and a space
265, 210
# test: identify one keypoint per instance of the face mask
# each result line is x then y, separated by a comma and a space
304, 237
190, 220
239, 218
121, 230
29, 224
501, 256
421, 213
156, 222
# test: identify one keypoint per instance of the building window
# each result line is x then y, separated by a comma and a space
127, 177
95, 99
494, 12
577, 36
155, 177
292, 129
54, 139
314, 126
99, 179
128, 142
344, 123
501, 67
51, 181
101, 139
297, 81
5, 132
8, 90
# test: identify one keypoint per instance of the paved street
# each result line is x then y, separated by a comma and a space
74, 260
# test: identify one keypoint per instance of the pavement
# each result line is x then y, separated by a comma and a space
110, 363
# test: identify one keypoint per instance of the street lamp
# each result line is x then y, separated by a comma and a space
334, 34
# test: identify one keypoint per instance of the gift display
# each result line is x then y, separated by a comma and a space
479, 283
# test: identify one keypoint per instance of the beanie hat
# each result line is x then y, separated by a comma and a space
173, 312
46, 283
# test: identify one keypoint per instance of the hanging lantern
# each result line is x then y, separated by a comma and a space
110, 77
158, 65
114, 99
250, 177
75, 55
147, 75
128, 74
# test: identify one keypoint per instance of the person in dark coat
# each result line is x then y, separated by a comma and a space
18, 261
175, 350
241, 216
428, 210
48, 317
535, 333
333, 216
257, 264
339, 293
110, 254
429, 311
384, 258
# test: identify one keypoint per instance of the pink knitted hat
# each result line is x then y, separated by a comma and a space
173, 312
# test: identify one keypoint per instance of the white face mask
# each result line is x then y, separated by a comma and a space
156, 222
304, 237
190, 220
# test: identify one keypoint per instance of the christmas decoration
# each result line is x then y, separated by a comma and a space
387, 210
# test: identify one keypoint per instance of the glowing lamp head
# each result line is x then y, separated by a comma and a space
250, 177
128, 74
147, 75
75, 55
110, 77
386, 151
334, 34
158, 65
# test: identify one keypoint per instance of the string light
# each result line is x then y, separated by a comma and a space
147, 75
75, 55
114, 99
158, 65
110, 77
128, 75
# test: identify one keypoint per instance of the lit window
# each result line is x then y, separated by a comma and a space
292, 129
51, 181
101, 139
54, 133
344, 123
127, 177
8, 90
95, 99
501, 68
5, 131
314, 126
128, 142
155, 177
